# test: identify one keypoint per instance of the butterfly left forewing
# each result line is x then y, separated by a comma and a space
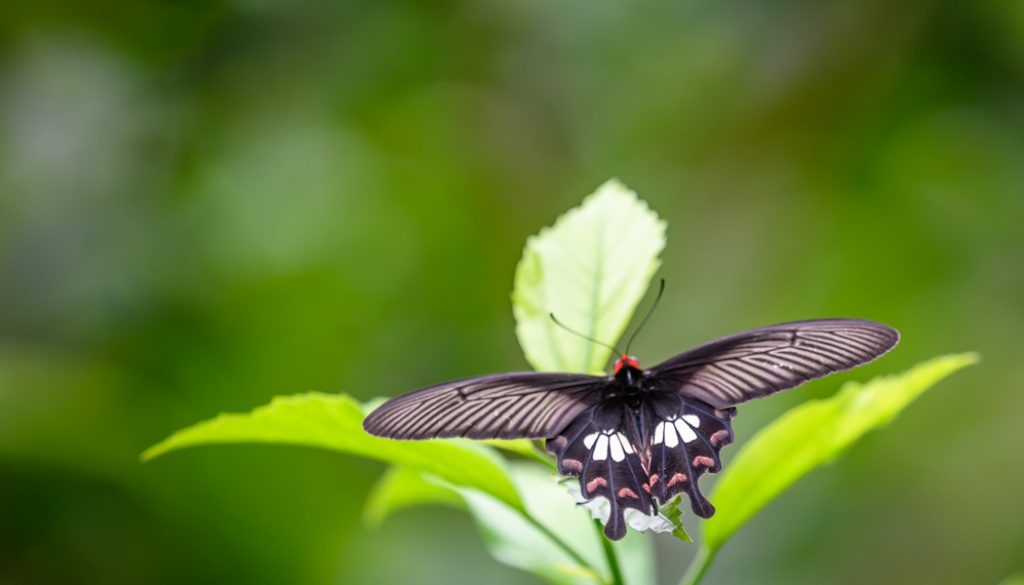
502, 406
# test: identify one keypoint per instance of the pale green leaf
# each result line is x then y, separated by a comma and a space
813, 434
334, 422
590, 269
400, 488
515, 541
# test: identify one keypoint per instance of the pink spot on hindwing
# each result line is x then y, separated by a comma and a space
596, 483
628, 493
703, 461
572, 465
719, 438
677, 478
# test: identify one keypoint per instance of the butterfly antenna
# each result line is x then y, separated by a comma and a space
654, 305
587, 337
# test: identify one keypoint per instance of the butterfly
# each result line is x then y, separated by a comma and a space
638, 437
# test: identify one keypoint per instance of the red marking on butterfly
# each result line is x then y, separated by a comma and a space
626, 360
596, 483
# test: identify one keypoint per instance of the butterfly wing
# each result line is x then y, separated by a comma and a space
503, 406
686, 437
763, 361
601, 447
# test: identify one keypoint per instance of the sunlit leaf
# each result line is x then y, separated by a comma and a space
811, 435
334, 422
590, 269
400, 488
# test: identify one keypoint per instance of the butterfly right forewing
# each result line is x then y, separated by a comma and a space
763, 361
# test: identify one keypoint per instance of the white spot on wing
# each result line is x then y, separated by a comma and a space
671, 440
659, 433
625, 444
692, 419
588, 441
685, 431
601, 448
616, 445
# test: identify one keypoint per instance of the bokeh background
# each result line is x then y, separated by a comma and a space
206, 204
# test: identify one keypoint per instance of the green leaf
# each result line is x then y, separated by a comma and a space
511, 536
590, 269
636, 555
674, 513
400, 488
335, 422
513, 540
811, 435
516, 541
527, 448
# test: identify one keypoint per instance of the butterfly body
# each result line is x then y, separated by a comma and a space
638, 437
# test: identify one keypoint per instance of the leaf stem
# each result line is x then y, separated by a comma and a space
700, 565
560, 543
609, 554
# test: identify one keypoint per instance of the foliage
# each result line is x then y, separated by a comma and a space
335, 422
591, 268
806, 437
813, 434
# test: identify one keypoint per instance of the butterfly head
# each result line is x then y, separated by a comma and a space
624, 361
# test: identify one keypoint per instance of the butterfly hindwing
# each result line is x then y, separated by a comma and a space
686, 437
601, 447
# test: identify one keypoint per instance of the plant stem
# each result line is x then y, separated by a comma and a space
700, 565
609, 553
561, 543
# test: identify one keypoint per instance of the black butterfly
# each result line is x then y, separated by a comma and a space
638, 437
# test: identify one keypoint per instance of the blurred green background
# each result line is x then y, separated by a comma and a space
203, 205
